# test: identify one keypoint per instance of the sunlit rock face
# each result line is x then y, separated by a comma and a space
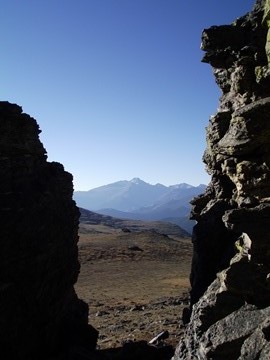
230, 278
40, 313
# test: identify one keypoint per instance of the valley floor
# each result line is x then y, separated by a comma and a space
136, 284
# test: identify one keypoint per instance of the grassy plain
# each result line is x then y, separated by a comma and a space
136, 284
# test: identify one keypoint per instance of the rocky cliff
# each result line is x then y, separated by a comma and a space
40, 313
230, 278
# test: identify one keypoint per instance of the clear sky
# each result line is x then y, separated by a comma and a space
116, 86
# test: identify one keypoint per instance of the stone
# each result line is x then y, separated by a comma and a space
229, 315
40, 314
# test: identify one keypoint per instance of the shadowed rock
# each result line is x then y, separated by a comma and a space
40, 314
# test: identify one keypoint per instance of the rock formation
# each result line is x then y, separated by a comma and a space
230, 278
40, 313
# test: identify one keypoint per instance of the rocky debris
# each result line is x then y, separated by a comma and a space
137, 308
121, 323
101, 313
230, 295
40, 313
134, 350
160, 337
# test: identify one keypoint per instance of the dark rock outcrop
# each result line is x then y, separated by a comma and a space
230, 276
40, 314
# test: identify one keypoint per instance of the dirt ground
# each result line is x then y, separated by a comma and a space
136, 284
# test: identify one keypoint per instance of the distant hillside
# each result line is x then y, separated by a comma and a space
139, 200
183, 221
91, 218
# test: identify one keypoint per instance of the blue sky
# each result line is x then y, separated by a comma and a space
116, 86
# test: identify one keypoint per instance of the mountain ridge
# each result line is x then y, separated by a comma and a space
136, 199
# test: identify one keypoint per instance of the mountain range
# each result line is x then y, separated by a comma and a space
136, 199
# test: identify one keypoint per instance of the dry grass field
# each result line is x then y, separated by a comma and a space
136, 283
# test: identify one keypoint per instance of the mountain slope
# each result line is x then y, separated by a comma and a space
91, 218
121, 195
183, 221
129, 196
138, 200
